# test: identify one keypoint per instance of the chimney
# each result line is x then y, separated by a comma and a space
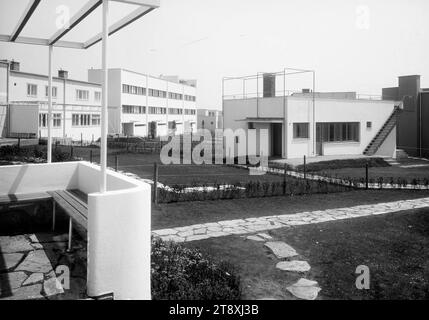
63, 74
269, 80
14, 66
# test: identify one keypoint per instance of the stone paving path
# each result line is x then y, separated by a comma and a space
252, 225
28, 267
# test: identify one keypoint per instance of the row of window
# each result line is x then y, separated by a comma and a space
81, 95
329, 132
85, 120
130, 109
43, 120
126, 88
77, 120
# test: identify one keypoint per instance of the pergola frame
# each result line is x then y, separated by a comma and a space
145, 6
284, 73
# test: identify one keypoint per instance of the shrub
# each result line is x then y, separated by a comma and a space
180, 273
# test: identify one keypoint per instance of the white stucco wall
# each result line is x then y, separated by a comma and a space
119, 222
300, 109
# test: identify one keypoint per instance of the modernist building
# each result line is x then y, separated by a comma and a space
76, 107
413, 122
210, 119
143, 105
310, 124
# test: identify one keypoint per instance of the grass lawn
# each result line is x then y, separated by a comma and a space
403, 170
143, 166
394, 246
188, 213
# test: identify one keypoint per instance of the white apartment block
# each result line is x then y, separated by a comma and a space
298, 124
76, 105
143, 105
210, 119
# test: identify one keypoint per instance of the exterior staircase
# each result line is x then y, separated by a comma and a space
381, 135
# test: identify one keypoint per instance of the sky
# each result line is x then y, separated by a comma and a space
352, 45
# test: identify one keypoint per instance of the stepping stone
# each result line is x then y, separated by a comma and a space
25, 293
10, 281
36, 261
33, 278
281, 249
255, 238
294, 266
10, 260
15, 244
265, 236
304, 289
52, 287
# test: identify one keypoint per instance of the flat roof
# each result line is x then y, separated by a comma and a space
55, 78
148, 75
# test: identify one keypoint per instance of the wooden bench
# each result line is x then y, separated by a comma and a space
75, 204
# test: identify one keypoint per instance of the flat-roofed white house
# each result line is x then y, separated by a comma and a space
332, 123
76, 105
143, 105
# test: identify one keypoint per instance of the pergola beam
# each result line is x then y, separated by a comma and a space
133, 16
42, 42
86, 10
24, 19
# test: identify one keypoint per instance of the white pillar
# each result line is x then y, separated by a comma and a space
49, 157
103, 162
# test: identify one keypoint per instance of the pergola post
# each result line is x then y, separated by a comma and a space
49, 152
104, 85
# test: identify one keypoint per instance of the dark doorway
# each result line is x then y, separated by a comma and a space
152, 129
319, 139
276, 139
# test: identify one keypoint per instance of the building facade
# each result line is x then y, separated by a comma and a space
210, 119
76, 106
310, 124
413, 122
146, 106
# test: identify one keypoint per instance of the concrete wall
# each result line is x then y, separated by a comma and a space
300, 109
335, 110
24, 118
117, 99
388, 147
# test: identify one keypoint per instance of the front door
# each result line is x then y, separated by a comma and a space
276, 139
319, 139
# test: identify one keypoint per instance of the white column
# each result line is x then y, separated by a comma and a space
49, 157
104, 84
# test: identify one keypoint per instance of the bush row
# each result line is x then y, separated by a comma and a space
251, 189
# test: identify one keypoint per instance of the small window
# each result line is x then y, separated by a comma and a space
56, 120
251, 125
54, 91
300, 130
31, 90
97, 96
369, 124
95, 120
82, 94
